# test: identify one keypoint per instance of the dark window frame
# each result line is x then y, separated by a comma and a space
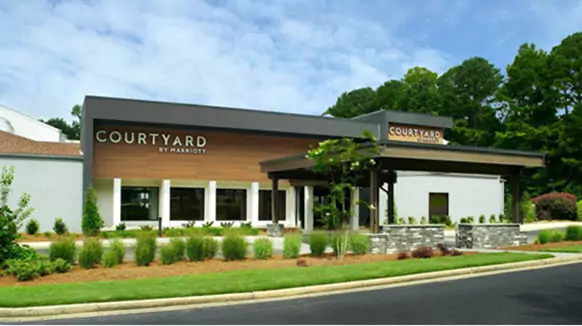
230, 212
127, 205
265, 210
181, 209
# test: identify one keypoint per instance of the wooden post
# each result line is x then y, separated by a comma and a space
515, 198
374, 194
274, 199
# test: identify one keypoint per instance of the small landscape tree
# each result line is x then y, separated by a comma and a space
342, 160
92, 221
11, 220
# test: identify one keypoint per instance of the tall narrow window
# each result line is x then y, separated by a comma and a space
187, 204
231, 204
139, 203
265, 205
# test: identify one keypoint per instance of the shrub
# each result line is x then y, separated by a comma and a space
92, 221
557, 236
180, 247
60, 227
234, 246
118, 249
146, 228
47, 234
528, 209
195, 248
573, 233
443, 249
110, 259
446, 220
555, 206
401, 221
32, 227
456, 252
61, 266
360, 244
145, 250
435, 219
403, 255
470, 220
423, 220
291, 245
25, 271
544, 236
169, 254
422, 252
463, 220
492, 219
210, 247
482, 219
411, 220
91, 253
318, 243
579, 210
64, 249
263, 248
120, 227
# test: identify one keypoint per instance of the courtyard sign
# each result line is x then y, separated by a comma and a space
165, 142
415, 134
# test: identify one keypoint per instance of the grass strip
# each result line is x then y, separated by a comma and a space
571, 249
240, 281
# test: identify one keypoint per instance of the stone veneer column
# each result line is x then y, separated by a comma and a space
116, 201
164, 202
308, 209
211, 201
254, 202
355, 221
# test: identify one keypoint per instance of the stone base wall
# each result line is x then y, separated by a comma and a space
475, 236
400, 238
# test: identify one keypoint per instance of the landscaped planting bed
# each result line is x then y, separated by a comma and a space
540, 247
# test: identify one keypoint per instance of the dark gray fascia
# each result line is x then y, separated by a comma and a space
385, 117
140, 111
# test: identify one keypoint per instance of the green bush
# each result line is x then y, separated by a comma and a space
234, 246
318, 243
561, 206
579, 209
61, 266
169, 254
557, 236
263, 248
492, 219
360, 244
60, 227
91, 253
423, 220
180, 246
210, 247
291, 245
482, 219
64, 249
145, 250
546, 236
118, 248
195, 248
92, 221
120, 227
528, 209
573, 233
32, 227
25, 271
110, 259
411, 220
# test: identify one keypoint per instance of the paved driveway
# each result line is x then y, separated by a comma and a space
544, 296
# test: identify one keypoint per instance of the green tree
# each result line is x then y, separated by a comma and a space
72, 130
354, 103
92, 221
418, 92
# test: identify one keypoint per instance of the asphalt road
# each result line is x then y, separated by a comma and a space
544, 296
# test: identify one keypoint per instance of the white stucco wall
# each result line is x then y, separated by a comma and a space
469, 195
55, 187
104, 190
29, 127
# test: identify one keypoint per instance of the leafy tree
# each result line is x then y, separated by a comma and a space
418, 92
350, 104
92, 221
73, 130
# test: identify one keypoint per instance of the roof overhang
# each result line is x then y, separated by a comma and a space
397, 155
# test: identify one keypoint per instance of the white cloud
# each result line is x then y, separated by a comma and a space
295, 56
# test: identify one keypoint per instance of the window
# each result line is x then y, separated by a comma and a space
231, 204
139, 204
265, 205
438, 204
187, 204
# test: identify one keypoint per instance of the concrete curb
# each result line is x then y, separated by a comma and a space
7, 314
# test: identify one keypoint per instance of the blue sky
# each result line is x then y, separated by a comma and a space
284, 55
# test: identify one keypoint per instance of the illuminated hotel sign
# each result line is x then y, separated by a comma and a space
165, 143
415, 134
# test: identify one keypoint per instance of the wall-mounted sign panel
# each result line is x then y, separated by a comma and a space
415, 134
163, 142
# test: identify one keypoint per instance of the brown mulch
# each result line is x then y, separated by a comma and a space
42, 238
129, 270
537, 247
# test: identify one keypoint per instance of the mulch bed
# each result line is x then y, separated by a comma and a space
129, 270
538, 247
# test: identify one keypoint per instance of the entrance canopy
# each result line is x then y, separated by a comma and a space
396, 155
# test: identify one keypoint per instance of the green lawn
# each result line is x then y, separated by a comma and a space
571, 249
239, 281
